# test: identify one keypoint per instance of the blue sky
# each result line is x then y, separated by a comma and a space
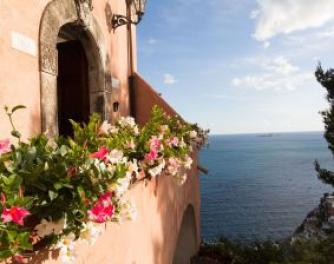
239, 66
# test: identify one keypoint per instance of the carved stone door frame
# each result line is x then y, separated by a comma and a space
57, 14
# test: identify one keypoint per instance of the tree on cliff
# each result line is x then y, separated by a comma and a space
326, 79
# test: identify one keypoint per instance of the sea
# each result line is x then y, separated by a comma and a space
260, 187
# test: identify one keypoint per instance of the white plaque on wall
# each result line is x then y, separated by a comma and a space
23, 43
115, 83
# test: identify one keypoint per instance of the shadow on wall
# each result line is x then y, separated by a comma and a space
186, 245
179, 238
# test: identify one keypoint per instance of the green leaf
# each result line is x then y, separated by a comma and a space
5, 253
9, 181
58, 186
24, 241
15, 108
63, 150
52, 195
81, 192
11, 236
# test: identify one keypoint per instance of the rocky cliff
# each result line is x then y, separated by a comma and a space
319, 223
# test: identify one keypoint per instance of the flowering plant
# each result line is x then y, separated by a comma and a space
58, 190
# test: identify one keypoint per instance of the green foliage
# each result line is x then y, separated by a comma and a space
326, 79
57, 178
15, 133
297, 252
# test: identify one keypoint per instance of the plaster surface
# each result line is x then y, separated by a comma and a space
153, 237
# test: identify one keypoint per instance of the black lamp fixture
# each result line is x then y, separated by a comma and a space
138, 6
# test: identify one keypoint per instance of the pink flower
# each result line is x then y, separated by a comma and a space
4, 146
100, 213
155, 144
174, 166
100, 154
14, 214
72, 171
102, 210
105, 198
174, 142
19, 259
152, 155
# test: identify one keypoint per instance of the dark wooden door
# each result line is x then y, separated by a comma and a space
73, 93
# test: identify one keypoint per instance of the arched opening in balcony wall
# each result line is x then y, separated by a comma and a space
74, 66
186, 246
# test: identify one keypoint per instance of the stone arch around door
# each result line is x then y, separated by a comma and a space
74, 14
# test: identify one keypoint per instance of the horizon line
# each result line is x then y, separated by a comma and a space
264, 133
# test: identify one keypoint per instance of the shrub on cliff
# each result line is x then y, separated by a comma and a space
299, 251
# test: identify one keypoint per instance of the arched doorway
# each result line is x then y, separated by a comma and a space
72, 46
186, 246
73, 80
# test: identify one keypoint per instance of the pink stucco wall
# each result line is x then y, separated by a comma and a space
20, 78
153, 237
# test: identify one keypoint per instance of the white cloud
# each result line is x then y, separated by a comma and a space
266, 44
277, 74
227, 97
285, 16
328, 33
169, 79
152, 41
281, 65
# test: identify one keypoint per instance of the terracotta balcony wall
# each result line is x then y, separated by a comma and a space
144, 97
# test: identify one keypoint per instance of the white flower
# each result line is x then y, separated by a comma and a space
133, 167
107, 128
46, 228
193, 134
66, 241
136, 130
188, 162
115, 156
113, 130
182, 143
174, 165
67, 251
90, 233
163, 129
67, 256
127, 121
180, 178
111, 168
104, 128
128, 211
155, 171
122, 185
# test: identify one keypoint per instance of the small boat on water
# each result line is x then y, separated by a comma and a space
266, 135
